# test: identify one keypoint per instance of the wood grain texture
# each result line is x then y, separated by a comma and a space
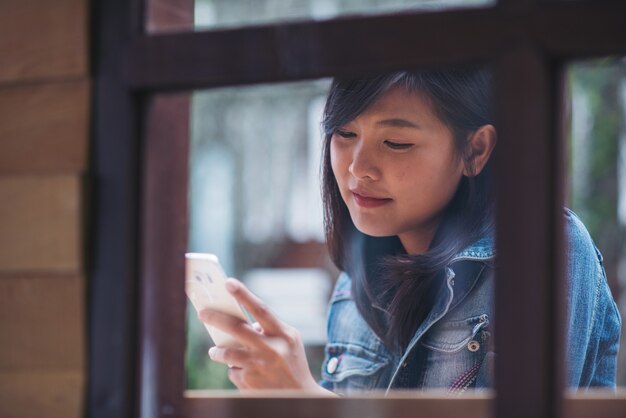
600, 403
596, 403
304, 50
49, 394
113, 272
42, 323
278, 404
42, 39
528, 188
40, 224
44, 127
357, 45
165, 192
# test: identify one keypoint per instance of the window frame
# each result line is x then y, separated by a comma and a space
139, 173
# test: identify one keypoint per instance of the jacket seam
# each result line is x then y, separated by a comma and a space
596, 299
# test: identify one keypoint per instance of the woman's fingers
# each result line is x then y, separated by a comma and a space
232, 356
236, 376
242, 331
269, 323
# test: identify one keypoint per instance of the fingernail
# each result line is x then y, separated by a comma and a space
212, 351
231, 285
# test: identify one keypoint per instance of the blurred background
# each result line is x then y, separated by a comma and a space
255, 202
210, 14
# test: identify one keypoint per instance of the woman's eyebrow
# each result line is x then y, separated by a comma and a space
397, 123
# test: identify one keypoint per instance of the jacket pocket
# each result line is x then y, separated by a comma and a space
454, 335
454, 353
350, 366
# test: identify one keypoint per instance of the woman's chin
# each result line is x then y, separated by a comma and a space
374, 231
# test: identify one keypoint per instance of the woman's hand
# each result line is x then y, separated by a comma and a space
272, 354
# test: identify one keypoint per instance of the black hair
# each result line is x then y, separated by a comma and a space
394, 291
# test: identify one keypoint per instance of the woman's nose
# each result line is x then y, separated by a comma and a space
364, 163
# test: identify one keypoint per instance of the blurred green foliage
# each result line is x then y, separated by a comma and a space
600, 81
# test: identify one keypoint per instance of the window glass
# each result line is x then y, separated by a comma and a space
597, 168
256, 168
211, 14
256, 203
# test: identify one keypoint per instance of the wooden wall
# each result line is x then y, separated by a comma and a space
44, 132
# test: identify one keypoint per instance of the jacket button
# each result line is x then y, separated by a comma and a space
331, 367
473, 346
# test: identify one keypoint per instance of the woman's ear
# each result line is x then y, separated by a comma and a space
480, 145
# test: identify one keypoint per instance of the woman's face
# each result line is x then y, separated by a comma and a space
397, 168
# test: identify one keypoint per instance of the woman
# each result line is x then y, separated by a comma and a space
409, 221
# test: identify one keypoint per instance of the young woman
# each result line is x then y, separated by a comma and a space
409, 221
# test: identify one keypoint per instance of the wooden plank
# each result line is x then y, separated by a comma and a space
580, 29
528, 298
349, 45
37, 394
281, 404
42, 323
315, 49
44, 127
162, 347
40, 224
598, 403
42, 40
276, 404
113, 269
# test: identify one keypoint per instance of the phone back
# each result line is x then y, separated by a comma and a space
205, 286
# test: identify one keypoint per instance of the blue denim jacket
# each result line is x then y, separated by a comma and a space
453, 347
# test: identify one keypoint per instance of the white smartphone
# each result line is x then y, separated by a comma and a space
205, 282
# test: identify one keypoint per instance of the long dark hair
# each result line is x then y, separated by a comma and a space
394, 291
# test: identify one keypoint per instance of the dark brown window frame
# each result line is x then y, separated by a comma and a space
139, 173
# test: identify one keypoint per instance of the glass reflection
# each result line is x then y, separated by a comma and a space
211, 14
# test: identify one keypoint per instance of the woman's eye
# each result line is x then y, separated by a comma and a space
397, 145
345, 134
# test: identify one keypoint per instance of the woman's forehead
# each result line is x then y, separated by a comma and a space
400, 103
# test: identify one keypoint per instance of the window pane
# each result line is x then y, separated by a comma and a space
255, 196
255, 183
211, 14
597, 172
255, 202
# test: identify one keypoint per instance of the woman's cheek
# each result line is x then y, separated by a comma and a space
400, 175
335, 161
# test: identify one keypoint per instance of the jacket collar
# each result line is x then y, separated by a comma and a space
467, 267
481, 250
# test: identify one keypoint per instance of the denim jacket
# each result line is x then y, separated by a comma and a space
453, 347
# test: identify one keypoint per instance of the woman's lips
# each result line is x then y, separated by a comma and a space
369, 202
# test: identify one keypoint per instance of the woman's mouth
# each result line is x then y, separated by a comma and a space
370, 202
